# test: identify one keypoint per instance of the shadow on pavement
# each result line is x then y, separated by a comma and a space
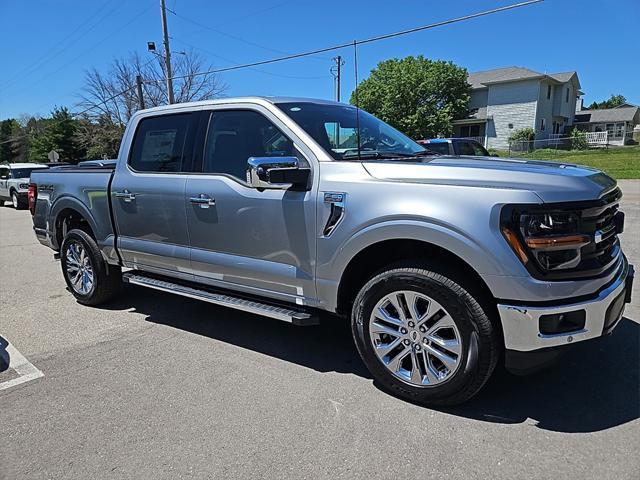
594, 386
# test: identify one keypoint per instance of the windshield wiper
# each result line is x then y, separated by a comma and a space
426, 153
378, 154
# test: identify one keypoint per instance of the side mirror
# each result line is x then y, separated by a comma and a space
277, 173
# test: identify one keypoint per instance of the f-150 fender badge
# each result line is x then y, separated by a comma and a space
337, 202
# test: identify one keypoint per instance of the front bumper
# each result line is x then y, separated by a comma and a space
521, 323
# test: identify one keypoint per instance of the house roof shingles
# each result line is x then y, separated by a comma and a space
509, 74
604, 115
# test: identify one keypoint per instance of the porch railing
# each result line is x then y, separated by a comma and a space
596, 139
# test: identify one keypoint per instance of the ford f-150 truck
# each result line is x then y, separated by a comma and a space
287, 207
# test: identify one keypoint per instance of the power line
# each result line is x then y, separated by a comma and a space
108, 37
365, 41
52, 54
265, 72
239, 39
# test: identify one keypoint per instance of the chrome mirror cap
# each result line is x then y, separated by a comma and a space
260, 170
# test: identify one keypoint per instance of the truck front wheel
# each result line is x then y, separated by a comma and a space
89, 278
423, 336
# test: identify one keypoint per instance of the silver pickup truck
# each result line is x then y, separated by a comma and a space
288, 208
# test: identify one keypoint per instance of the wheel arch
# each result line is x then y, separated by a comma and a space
379, 255
67, 214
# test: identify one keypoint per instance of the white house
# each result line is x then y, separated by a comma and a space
504, 100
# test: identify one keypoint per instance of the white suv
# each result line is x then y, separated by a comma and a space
14, 182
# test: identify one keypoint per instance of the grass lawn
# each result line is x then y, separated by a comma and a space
621, 162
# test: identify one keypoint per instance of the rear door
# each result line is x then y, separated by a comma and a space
260, 242
147, 195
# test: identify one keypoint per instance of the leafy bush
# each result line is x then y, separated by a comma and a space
523, 135
578, 140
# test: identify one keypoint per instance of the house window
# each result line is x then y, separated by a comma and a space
566, 98
619, 130
543, 124
548, 92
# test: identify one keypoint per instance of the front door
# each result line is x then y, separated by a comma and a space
260, 242
4, 179
148, 195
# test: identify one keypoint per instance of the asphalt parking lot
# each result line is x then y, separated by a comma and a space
156, 386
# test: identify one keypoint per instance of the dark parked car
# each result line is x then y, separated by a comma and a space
455, 146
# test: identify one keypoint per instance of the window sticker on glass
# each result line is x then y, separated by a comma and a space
158, 146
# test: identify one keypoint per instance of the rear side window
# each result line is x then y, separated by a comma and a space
439, 147
159, 143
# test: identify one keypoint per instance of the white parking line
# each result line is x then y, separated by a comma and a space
21, 366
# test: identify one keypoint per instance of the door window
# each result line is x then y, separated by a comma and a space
236, 135
4, 173
159, 143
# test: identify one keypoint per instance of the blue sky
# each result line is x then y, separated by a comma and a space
48, 45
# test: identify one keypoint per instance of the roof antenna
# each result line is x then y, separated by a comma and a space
355, 95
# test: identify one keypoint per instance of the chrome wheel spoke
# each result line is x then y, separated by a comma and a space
395, 300
412, 304
448, 361
384, 349
379, 328
452, 346
395, 363
416, 374
445, 322
382, 314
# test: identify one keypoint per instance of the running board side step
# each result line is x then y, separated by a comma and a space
290, 315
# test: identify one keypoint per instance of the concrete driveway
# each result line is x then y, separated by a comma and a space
156, 386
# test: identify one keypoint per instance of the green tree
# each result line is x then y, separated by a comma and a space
59, 134
418, 96
612, 102
8, 151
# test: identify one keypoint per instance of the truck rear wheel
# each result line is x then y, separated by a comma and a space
423, 336
89, 278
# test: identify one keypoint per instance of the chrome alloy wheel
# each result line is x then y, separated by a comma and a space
415, 338
14, 200
79, 269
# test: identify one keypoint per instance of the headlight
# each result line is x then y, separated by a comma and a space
551, 239
23, 186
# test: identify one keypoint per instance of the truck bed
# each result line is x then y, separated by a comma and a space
75, 188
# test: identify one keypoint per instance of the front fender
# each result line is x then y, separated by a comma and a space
484, 258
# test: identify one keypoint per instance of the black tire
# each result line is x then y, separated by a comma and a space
481, 345
107, 279
17, 202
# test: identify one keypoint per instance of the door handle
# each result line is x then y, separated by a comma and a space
205, 201
126, 195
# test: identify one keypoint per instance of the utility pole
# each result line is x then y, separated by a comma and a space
335, 70
140, 96
167, 52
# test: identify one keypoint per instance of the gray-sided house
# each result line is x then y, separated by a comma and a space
504, 100
618, 123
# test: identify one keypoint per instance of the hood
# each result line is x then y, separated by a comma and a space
551, 181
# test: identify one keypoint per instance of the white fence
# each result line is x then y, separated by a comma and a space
597, 139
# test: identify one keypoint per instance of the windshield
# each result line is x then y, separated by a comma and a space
334, 127
21, 172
